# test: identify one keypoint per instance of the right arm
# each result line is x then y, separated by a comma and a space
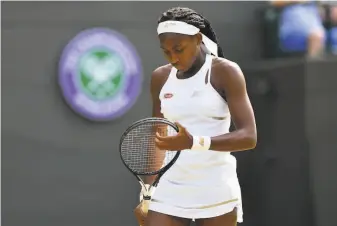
158, 79
157, 82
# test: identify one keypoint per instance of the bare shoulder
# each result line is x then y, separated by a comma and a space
225, 71
161, 73
159, 77
225, 66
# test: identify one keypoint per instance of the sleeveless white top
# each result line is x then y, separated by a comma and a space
198, 178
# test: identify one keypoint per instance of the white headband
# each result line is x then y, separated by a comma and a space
172, 26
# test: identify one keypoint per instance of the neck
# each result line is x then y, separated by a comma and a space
198, 63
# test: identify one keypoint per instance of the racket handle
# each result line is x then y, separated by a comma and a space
145, 206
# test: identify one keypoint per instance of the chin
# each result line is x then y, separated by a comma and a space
181, 68
178, 67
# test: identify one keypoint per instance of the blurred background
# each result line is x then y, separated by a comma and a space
61, 167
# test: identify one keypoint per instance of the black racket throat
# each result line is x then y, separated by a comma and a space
147, 198
153, 183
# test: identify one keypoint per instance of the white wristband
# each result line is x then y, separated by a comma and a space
201, 143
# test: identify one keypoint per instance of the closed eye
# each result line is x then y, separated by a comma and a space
179, 50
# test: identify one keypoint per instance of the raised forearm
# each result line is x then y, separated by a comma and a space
239, 140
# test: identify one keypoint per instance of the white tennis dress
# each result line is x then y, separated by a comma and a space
201, 184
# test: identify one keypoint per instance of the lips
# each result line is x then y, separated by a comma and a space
178, 66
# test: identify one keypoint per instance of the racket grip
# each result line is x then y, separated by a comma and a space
145, 206
144, 209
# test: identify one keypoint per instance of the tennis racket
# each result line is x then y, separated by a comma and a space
141, 156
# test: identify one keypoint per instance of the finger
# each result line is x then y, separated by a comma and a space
158, 135
164, 138
164, 146
160, 145
140, 216
180, 127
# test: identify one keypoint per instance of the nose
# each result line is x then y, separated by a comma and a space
173, 59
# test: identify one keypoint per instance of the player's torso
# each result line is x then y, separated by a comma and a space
200, 108
195, 104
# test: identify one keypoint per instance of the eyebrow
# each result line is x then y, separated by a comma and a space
175, 46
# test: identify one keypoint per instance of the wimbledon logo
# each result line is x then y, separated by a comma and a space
100, 74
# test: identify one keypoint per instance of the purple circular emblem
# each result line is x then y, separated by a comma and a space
100, 74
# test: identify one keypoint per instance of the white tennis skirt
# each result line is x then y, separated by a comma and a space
185, 202
215, 210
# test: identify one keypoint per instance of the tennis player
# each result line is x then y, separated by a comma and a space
201, 91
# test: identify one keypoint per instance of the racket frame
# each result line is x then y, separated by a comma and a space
159, 173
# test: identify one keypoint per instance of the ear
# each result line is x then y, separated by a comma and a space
199, 38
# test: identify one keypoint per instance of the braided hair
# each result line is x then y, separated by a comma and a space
191, 17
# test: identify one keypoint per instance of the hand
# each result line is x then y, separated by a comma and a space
140, 215
182, 140
141, 211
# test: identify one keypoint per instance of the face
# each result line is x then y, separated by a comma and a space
180, 50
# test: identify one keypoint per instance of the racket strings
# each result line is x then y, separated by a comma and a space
139, 151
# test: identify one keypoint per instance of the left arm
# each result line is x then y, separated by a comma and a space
229, 77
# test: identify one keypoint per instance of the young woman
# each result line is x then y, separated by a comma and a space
201, 91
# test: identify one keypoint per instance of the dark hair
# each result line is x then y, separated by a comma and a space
191, 17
